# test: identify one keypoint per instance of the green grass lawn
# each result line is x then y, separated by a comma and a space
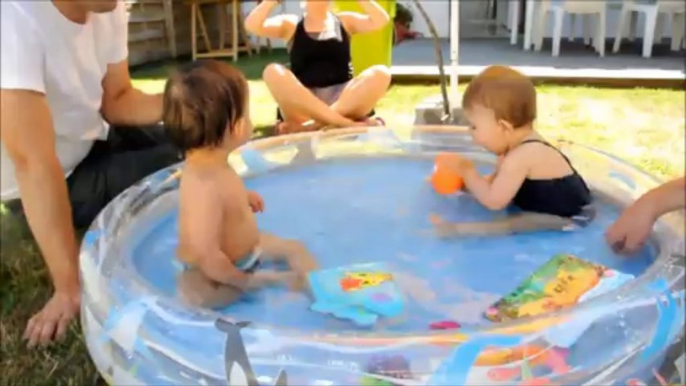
645, 127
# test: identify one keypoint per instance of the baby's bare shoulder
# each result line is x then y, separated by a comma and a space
221, 183
202, 179
232, 183
519, 157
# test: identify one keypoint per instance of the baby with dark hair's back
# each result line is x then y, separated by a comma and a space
206, 115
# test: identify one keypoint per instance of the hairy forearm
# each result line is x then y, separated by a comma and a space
133, 108
666, 198
257, 17
46, 204
376, 13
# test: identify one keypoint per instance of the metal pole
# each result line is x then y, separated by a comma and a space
439, 58
454, 49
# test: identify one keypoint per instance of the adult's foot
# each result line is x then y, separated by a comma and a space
374, 121
286, 127
294, 127
282, 127
52, 321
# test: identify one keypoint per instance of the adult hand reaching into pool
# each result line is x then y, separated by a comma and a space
631, 230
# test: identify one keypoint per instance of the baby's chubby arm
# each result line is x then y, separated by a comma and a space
497, 191
491, 177
204, 224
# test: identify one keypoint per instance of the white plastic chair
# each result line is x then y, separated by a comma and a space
586, 8
673, 9
513, 16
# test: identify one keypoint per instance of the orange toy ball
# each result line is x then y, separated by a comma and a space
444, 181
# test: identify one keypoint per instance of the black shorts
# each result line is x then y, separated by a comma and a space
128, 155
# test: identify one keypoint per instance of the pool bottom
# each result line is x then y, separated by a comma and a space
385, 220
138, 333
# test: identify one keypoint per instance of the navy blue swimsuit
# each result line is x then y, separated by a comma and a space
321, 63
565, 196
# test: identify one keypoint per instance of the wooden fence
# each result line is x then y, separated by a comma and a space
160, 29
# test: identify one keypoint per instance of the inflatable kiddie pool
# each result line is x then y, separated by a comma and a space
357, 196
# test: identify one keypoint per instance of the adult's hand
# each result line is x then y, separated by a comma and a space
259, 23
373, 18
630, 232
28, 136
52, 321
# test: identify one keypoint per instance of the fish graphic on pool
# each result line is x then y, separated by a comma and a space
355, 281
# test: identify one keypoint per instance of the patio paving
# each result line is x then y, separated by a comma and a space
417, 58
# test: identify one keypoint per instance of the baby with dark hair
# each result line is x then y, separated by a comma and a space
206, 115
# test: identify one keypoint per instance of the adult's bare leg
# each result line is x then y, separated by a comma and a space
296, 102
360, 95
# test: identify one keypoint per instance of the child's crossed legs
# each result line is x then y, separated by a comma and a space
197, 289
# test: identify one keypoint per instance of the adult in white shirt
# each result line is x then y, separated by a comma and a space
65, 80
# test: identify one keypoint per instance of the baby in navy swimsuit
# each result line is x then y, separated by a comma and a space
531, 174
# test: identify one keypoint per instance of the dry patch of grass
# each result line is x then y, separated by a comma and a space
644, 127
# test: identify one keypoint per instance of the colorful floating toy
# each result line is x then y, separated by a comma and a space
360, 293
445, 181
562, 282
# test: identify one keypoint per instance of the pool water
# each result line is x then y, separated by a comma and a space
359, 210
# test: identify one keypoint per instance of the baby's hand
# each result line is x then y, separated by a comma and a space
455, 162
255, 201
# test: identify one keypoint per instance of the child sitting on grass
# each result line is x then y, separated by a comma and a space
500, 104
206, 115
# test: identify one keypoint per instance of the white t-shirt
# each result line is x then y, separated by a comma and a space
44, 51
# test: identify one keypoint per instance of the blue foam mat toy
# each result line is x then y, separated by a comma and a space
361, 293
